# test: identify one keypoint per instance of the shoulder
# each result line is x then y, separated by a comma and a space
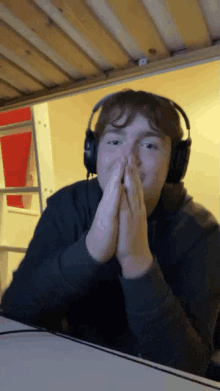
194, 224
197, 216
81, 196
77, 190
67, 191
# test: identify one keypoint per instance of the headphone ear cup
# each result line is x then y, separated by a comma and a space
90, 152
179, 163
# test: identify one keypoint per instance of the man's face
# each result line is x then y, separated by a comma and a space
151, 152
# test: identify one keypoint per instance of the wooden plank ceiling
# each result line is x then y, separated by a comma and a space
51, 47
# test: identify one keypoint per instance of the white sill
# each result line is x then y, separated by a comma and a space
23, 211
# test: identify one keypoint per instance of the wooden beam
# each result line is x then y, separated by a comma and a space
10, 70
83, 18
139, 24
169, 64
190, 22
43, 26
15, 43
7, 91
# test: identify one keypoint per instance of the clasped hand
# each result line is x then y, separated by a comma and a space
133, 250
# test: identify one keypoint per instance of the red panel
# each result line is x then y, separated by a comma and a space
15, 153
15, 116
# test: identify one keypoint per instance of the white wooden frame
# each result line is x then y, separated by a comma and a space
11, 243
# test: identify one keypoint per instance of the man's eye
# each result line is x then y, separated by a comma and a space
112, 141
154, 146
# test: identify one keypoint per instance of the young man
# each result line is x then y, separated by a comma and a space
142, 275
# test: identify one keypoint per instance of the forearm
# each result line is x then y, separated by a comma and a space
167, 337
55, 281
164, 331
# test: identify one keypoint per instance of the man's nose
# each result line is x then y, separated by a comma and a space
135, 158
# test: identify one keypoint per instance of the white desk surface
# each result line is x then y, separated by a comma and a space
42, 361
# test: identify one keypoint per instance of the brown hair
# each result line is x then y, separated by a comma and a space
161, 114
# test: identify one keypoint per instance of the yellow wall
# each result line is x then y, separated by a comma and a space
195, 89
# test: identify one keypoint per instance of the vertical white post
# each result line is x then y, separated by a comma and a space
44, 158
3, 216
3, 202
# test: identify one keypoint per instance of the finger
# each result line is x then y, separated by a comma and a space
112, 192
124, 201
131, 191
138, 185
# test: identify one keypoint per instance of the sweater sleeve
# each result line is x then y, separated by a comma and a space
175, 327
56, 269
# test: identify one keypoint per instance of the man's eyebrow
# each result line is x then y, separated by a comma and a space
142, 134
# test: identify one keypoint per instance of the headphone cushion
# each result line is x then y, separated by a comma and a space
90, 152
179, 163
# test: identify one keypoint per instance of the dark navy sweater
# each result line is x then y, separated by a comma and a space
168, 315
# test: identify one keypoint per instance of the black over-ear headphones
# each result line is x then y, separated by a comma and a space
178, 165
